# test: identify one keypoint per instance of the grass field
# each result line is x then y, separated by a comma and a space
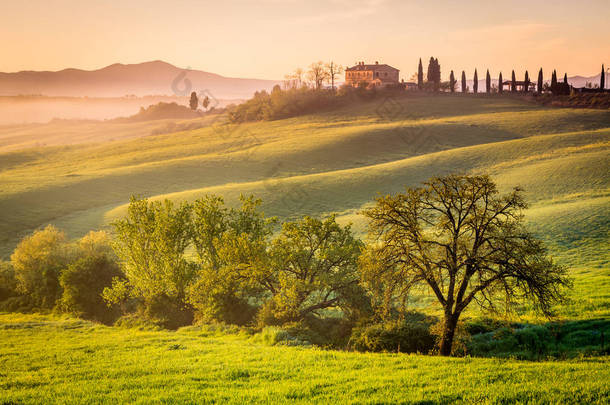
79, 176
329, 162
45, 359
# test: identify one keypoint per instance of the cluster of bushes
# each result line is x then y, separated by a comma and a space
533, 342
161, 111
48, 272
575, 100
291, 102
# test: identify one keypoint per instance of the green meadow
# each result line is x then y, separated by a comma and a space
79, 176
87, 363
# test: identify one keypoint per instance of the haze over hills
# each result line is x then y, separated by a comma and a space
117, 80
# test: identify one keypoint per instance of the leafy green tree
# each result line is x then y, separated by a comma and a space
194, 101
540, 81
464, 87
313, 266
150, 243
83, 283
231, 249
500, 83
420, 76
452, 82
475, 84
487, 82
459, 238
38, 261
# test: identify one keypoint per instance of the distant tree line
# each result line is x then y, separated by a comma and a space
176, 264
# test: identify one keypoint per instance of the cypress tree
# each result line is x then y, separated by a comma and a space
513, 83
602, 79
487, 82
526, 82
463, 82
554, 80
437, 75
500, 84
420, 76
452, 82
475, 84
565, 78
540, 80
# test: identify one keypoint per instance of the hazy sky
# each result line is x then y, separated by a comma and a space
269, 38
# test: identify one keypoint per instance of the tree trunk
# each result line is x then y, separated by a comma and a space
451, 321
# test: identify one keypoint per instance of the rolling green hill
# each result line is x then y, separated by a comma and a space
330, 162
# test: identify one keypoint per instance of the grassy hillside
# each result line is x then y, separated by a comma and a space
332, 162
88, 363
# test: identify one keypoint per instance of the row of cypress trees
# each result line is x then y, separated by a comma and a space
434, 76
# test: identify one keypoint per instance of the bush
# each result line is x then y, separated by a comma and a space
166, 312
38, 261
83, 283
411, 335
8, 283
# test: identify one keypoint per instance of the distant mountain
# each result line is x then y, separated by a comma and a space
149, 78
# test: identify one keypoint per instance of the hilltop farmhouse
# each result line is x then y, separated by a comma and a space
377, 75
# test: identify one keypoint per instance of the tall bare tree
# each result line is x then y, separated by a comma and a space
318, 74
459, 238
333, 70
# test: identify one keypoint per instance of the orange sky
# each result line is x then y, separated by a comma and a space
269, 38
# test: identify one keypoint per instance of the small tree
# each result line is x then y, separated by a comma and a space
434, 73
487, 82
464, 87
526, 82
513, 83
231, 249
475, 84
452, 82
83, 283
315, 265
333, 70
458, 237
206, 102
554, 81
317, 74
38, 261
420, 76
500, 83
194, 101
150, 243
540, 81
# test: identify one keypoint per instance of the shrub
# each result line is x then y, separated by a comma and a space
8, 283
38, 261
83, 283
410, 335
166, 312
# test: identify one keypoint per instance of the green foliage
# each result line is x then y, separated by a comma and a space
313, 266
8, 282
459, 237
411, 334
38, 261
231, 249
151, 243
83, 283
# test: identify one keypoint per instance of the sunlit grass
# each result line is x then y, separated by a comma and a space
44, 359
